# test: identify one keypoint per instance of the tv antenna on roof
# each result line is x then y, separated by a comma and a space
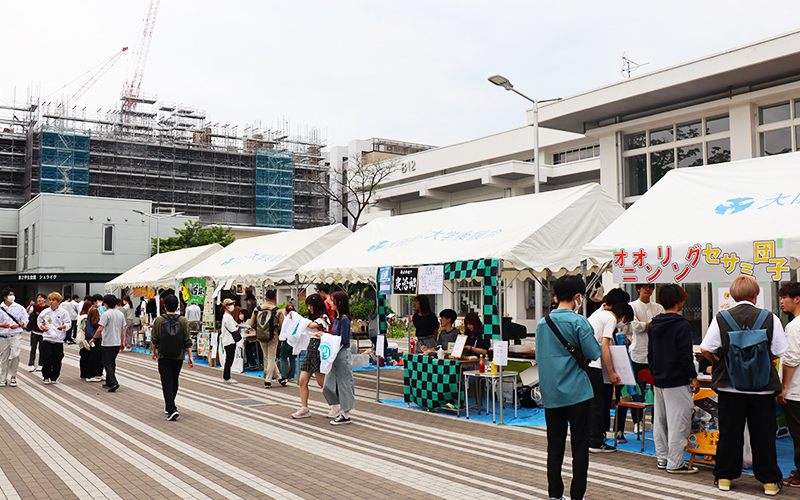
629, 66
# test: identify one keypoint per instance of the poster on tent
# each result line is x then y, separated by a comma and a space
716, 262
385, 280
430, 279
208, 306
726, 301
194, 290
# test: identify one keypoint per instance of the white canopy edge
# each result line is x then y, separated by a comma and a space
159, 271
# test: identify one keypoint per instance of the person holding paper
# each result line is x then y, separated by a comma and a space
425, 324
671, 358
317, 313
339, 387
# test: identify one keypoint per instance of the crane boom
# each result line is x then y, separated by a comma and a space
131, 89
103, 69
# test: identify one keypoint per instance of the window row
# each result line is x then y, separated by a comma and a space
775, 141
677, 132
576, 154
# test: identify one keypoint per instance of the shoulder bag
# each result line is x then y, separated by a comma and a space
576, 352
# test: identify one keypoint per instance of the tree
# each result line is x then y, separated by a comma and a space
355, 183
193, 234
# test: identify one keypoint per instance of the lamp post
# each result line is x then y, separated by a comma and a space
158, 218
502, 81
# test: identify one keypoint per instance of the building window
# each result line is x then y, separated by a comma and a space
25, 249
8, 252
576, 154
33, 239
108, 239
649, 154
775, 128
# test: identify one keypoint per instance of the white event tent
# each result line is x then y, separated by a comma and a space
532, 235
745, 201
159, 271
269, 259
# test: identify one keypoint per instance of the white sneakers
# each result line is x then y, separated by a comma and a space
231, 381
13, 382
32, 368
95, 379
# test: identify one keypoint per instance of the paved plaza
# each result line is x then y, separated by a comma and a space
75, 440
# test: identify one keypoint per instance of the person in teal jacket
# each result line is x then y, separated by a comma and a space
565, 386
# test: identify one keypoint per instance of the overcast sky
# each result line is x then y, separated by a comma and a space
411, 71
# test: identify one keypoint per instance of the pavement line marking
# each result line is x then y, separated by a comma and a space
221, 466
146, 466
58, 459
7, 489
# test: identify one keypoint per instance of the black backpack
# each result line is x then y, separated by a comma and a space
171, 344
32, 318
265, 324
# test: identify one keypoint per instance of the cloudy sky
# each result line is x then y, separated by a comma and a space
412, 71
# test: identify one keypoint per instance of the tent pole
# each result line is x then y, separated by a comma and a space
378, 367
586, 298
502, 292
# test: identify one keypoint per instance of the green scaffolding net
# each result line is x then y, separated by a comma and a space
274, 188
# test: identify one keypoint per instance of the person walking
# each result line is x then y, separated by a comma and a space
740, 407
13, 319
339, 387
36, 334
112, 322
566, 389
317, 313
91, 363
267, 321
54, 323
69, 307
790, 380
171, 339
671, 359
128, 310
228, 342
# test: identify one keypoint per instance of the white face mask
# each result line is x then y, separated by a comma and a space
578, 304
230, 308
10, 298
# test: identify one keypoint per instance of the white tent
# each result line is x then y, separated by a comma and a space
269, 259
532, 233
159, 271
747, 200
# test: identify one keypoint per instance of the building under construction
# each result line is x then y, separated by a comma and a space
168, 153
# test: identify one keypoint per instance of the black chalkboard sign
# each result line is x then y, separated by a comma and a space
404, 280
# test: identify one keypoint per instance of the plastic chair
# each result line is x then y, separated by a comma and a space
646, 377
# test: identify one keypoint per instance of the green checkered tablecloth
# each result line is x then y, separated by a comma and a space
430, 382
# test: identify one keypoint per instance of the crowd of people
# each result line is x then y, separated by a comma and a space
572, 351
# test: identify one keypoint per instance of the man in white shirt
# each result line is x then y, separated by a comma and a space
112, 324
756, 408
54, 323
69, 306
194, 315
13, 319
790, 395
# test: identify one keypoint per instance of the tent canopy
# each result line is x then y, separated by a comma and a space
745, 201
270, 259
159, 271
533, 234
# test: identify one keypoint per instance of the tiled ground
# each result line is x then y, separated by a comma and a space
75, 440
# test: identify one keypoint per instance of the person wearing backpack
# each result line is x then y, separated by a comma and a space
746, 383
267, 321
171, 339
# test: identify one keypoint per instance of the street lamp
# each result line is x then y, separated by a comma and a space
502, 81
158, 218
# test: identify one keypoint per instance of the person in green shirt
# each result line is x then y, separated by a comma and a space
169, 366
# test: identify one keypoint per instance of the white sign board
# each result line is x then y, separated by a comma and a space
460, 342
500, 353
726, 301
430, 279
622, 365
379, 346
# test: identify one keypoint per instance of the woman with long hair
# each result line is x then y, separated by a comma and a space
339, 388
128, 311
477, 343
425, 324
317, 313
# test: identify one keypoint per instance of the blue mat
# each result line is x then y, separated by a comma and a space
525, 416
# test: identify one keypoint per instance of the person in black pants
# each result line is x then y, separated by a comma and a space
36, 333
229, 343
169, 367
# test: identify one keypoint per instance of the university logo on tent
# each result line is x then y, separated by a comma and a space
325, 351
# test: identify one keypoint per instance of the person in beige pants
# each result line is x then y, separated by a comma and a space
269, 347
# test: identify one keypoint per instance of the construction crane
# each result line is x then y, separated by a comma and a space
105, 66
131, 89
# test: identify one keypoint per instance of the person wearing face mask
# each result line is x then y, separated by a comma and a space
228, 342
13, 319
91, 356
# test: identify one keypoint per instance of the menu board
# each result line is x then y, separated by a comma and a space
404, 280
430, 280
385, 280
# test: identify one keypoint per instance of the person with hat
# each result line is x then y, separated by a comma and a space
229, 326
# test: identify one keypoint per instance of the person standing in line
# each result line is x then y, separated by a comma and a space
671, 358
228, 343
170, 364
339, 387
790, 394
112, 322
425, 324
737, 408
127, 311
267, 321
69, 308
566, 388
92, 358
321, 323
54, 323
14, 318
36, 334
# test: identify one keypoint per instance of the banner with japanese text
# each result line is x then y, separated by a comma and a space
194, 290
766, 260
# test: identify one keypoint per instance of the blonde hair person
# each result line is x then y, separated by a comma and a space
54, 323
744, 288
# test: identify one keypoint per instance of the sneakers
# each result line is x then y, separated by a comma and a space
793, 480
772, 489
47, 381
32, 368
3, 383
620, 437
231, 381
341, 420
282, 382
94, 379
661, 464
173, 416
723, 484
267, 384
112, 388
603, 448
335, 410
684, 469
303, 412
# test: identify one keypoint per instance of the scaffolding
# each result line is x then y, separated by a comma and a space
274, 188
64, 161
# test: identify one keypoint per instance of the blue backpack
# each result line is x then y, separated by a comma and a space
748, 354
